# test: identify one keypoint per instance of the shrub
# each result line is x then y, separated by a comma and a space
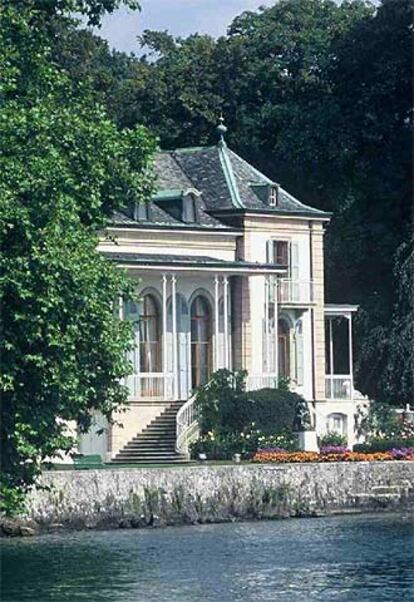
378, 444
285, 440
224, 406
332, 439
223, 446
220, 403
382, 422
272, 410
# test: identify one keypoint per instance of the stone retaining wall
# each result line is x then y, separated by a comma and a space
198, 494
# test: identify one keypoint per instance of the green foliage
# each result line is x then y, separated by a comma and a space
382, 445
333, 439
382, 423
92, 9
223, 446
64, 167
224, 406
272, 410
217, 400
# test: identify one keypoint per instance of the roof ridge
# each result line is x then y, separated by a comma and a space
229, 175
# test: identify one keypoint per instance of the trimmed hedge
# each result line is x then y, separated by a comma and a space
383, 445
272, 410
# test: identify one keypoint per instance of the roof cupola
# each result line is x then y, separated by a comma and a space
221, 130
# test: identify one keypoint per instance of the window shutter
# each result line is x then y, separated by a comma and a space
294, 261
270, 256
299, 353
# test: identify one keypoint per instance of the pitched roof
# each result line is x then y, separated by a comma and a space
226, 182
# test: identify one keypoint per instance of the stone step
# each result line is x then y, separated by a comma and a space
147, 453
159, 428
156, 443
149, 459
153, 440
152, 434
150, 447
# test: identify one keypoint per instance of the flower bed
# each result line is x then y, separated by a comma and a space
330, 454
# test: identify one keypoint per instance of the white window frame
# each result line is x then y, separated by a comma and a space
273, 196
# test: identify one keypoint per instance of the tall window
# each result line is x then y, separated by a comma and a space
149, 336
284, 348
278, 252
201, 332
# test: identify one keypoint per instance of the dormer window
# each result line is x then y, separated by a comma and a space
273, 195
141, 212
189, 209
179, 204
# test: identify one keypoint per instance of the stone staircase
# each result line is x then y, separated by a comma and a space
156, 443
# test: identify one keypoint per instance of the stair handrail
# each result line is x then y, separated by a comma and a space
187, 426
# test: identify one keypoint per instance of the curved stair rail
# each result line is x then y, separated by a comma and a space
187, 426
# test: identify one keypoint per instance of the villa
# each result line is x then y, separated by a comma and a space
230, 274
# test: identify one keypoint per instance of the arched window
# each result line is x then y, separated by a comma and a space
337, 423
149, 336
284, 348
201, 332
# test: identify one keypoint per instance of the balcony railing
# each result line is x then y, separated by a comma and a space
295, 291
255, 382
338, 387
151, 385
187, 429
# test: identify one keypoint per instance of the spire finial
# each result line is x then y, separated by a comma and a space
221, 129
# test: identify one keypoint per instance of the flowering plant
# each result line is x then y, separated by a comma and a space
402, 453
333, 449
280, 456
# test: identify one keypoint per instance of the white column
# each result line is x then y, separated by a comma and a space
331, 353
216, 324
276, 327
267, 329
230, 327
331, 359
174, 333
226, 320
351, 360
164, 334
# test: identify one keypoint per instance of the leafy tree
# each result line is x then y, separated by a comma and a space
64, 167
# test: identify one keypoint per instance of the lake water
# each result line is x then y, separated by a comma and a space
343, 558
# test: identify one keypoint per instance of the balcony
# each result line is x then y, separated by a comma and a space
295, 292
256, 382
153, 386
